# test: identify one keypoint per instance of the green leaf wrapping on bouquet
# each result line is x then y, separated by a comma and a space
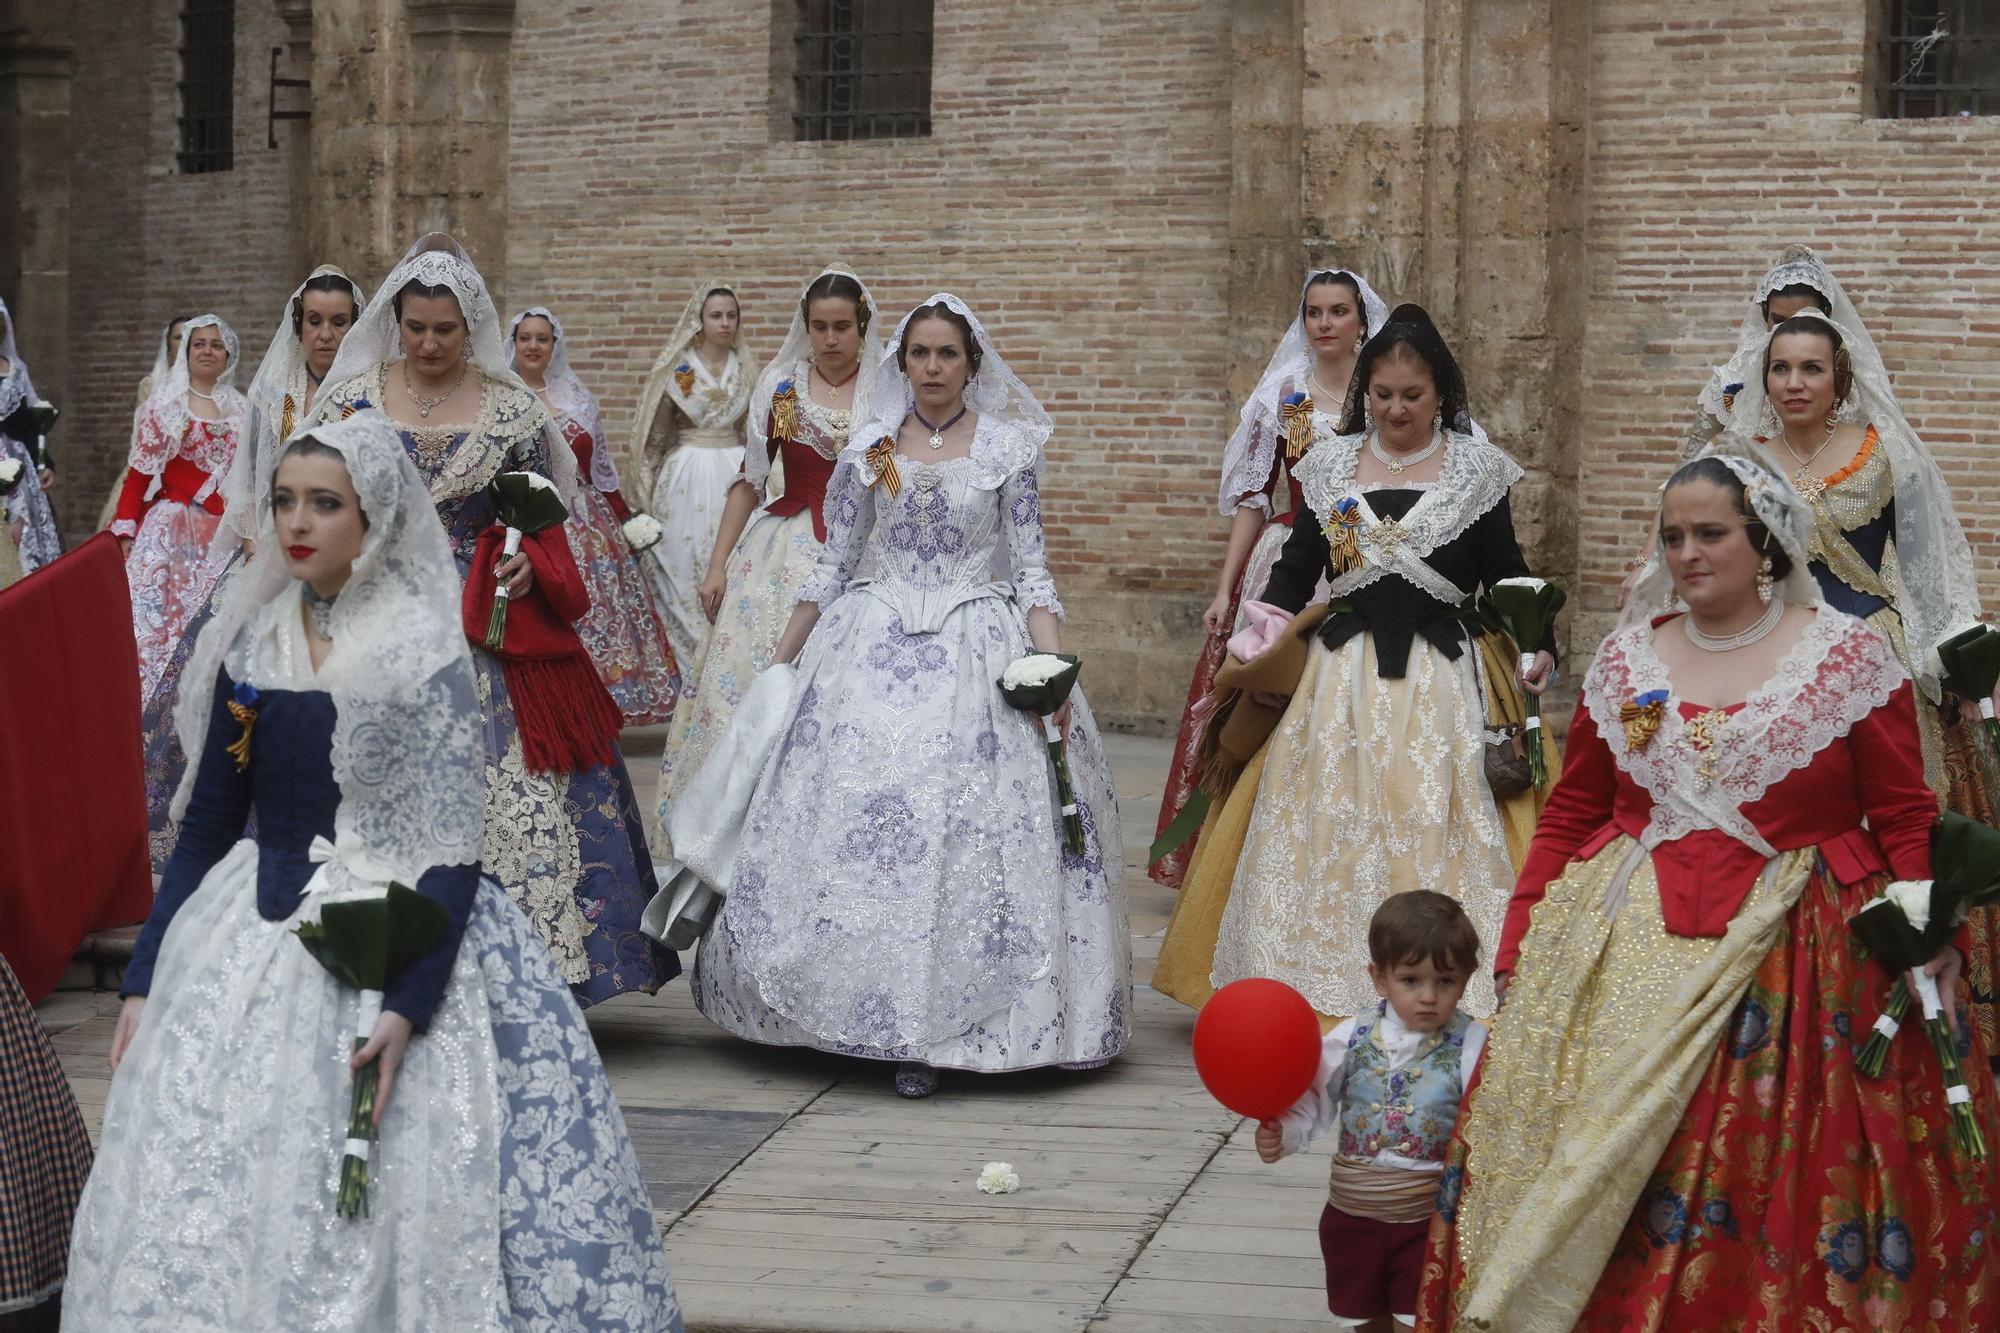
1526, 613
1047, 696
1965, 869
366, 943
526, 501
1888, 935
1971, 660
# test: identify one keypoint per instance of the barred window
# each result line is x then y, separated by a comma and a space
208, 85
862, 69
1938, 58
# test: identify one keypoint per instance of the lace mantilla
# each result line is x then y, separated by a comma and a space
824, 430
1477, 475
1701, 771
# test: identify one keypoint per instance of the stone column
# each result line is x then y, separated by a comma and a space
453, 168
36, 64
359, 69
1266, 200
295, 136
1444, 156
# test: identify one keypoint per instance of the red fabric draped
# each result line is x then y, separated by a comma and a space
72, 790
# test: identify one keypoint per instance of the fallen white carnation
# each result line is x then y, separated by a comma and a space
642, 532
999, 1177
1034, 669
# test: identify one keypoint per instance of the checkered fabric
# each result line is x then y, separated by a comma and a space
44, 1155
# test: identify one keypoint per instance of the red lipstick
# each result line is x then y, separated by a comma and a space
300, 552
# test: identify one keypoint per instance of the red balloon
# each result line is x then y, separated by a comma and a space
1256, 1047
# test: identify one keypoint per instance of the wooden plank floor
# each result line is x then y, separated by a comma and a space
797, 1192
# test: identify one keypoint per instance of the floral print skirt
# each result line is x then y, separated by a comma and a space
1792, 1193
622, 630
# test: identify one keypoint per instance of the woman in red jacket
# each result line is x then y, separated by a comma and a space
1669, 1131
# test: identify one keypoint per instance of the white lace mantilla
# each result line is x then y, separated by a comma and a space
1476, 476
1838, 673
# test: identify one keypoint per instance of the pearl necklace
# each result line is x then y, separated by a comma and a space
1728, 643
1397, 462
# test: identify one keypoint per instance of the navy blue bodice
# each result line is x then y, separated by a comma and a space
290, 787
1871, 542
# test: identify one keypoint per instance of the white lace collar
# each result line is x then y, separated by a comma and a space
1700, 773
1000, 449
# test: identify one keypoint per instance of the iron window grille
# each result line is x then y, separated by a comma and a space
208, 85
1939, 58
862, 69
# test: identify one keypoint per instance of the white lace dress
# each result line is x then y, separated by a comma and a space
690, 490
902, 891
505, 1192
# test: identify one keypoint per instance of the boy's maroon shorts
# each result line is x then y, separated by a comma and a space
1372, 1268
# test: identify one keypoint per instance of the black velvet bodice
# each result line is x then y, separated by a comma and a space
290, 787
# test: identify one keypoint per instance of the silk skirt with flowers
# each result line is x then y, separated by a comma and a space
770, 563
1669, 1132
1172, 868
622, 631
171, 578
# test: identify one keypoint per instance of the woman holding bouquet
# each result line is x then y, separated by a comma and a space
802, 410
563, 834
341, 707
1885, 545
183, 445
902, 891
1375, 779
688, 446
623, 631
1669, 1131
316, 320
1304, 383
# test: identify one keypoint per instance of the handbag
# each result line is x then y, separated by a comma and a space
1507, 771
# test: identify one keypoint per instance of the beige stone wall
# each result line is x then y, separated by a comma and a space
1075, 190
1716, 136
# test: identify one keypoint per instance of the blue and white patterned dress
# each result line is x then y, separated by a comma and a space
902, 891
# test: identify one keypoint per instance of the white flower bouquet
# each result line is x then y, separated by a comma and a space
998, 1178
1038, 683
643, 532
364, 938
11, 472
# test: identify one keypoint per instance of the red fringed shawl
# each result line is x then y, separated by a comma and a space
569, 722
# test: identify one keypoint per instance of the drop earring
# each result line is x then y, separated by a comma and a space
1765, 583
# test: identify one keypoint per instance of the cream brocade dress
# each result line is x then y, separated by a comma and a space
1374, 782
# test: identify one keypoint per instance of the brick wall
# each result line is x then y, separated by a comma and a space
1075, 191
148, 241
1717, 136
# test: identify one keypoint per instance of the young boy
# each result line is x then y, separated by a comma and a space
1391, 1079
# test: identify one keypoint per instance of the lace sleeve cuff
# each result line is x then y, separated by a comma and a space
822, 585
1035, 588
124, 527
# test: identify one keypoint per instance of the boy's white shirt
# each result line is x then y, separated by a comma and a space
1315, 1113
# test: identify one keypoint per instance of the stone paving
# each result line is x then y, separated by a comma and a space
797, 1192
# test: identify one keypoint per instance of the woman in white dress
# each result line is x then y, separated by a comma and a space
688, 442
339, 704
172, 501
801, 413
901, 890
